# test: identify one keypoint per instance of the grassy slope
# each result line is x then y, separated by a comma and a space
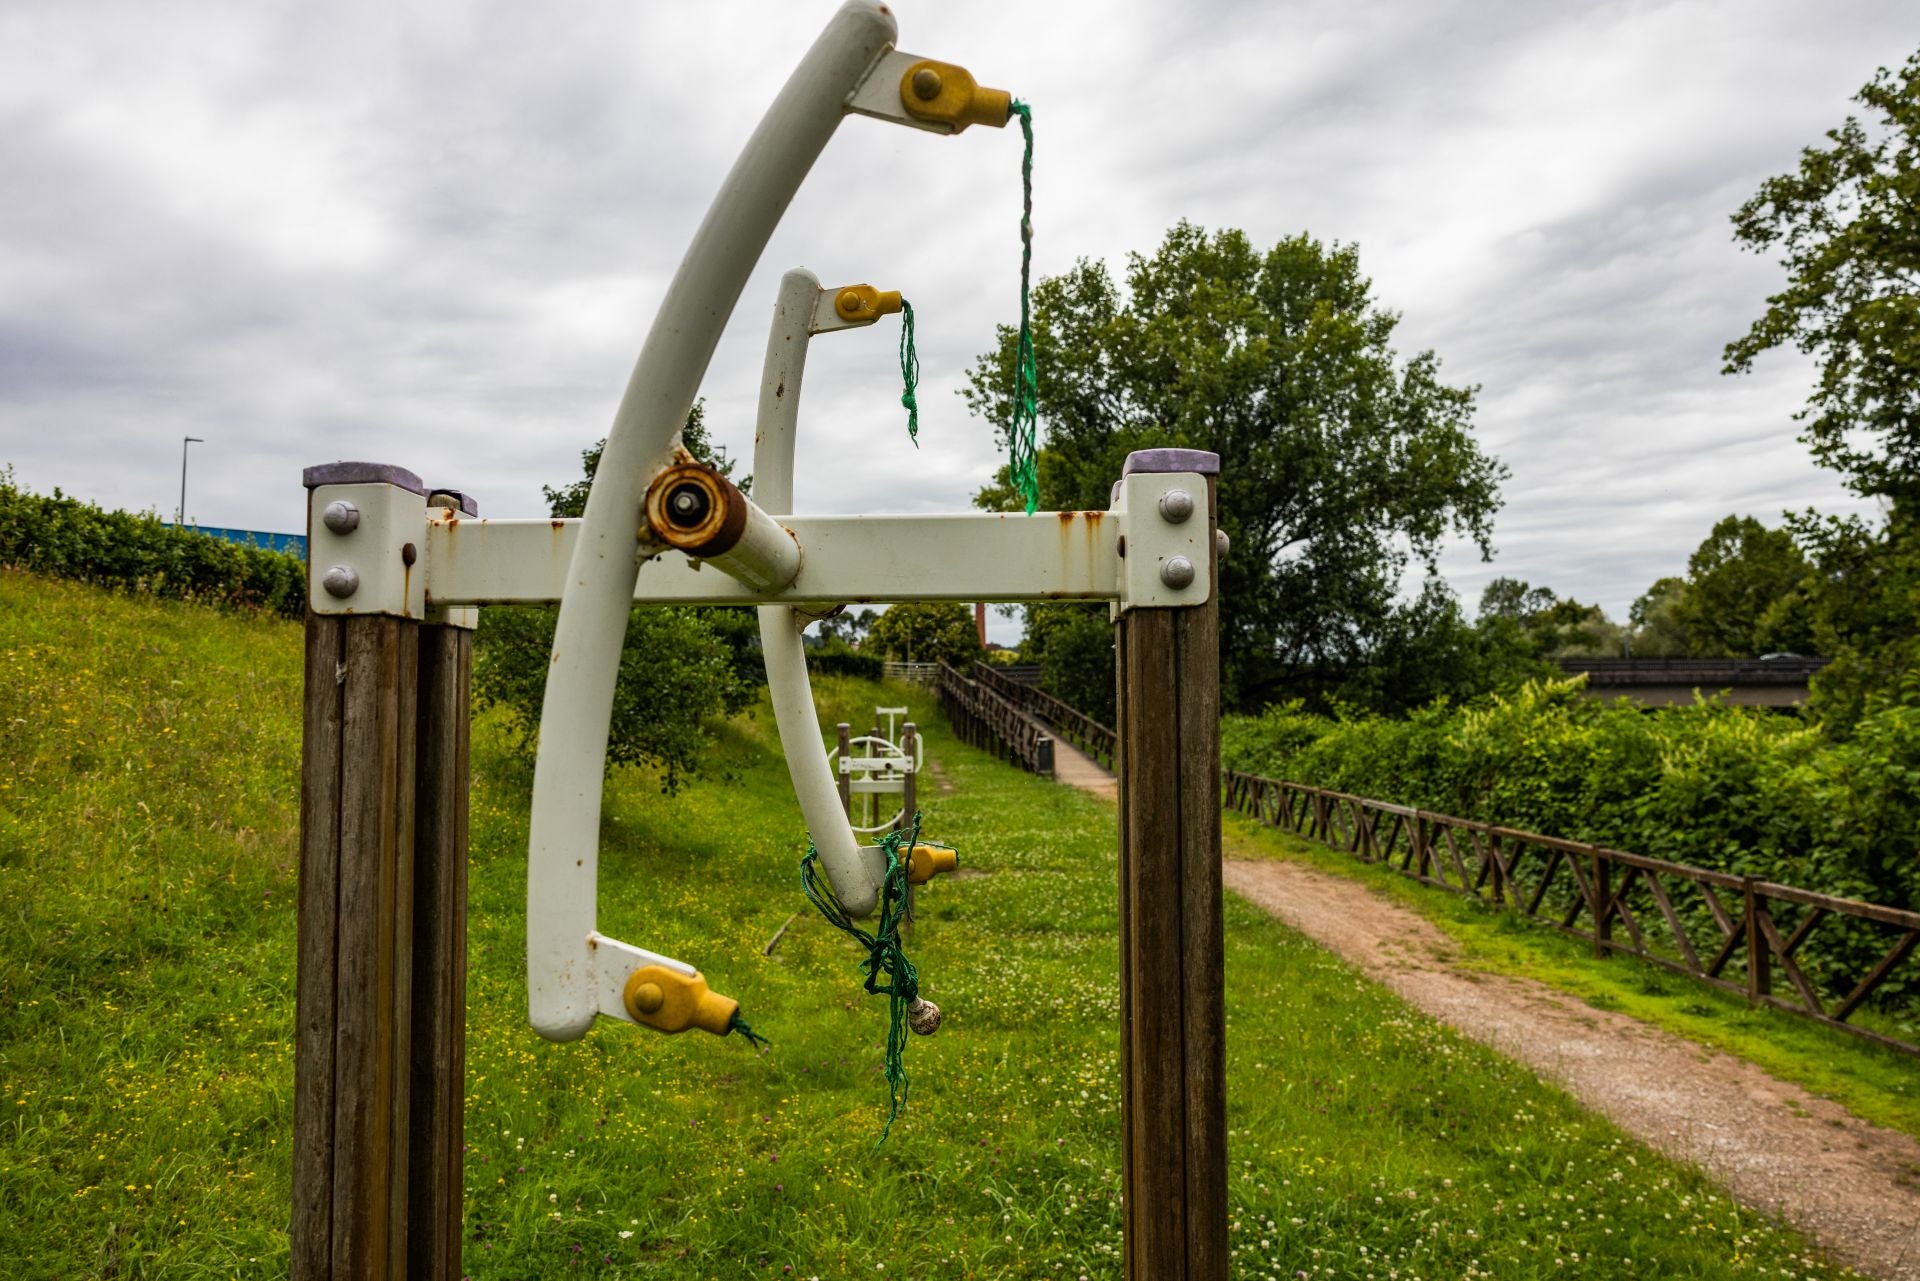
1877, 1084
147, 801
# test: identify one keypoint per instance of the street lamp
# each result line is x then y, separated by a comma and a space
180, 514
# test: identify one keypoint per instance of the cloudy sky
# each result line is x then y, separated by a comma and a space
435, 235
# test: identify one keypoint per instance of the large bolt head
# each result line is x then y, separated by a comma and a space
341, 516
923, 1017
1176, 505
1220, 543
1176, 572
926, 84
341, 581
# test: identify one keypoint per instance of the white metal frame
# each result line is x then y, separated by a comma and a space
399, 555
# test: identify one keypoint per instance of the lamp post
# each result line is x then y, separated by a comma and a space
180, 513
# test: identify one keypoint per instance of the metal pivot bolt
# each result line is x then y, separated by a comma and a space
1176, 572
341, 516
1176, 505
341, 581
926, 84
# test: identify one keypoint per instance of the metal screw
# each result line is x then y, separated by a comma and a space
1220, 543
851, 303
926, 84
1176, 505
341, 516
1176, 572
341, 581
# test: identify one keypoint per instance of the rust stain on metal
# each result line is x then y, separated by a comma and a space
558, 525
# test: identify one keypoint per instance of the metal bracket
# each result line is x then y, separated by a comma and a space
366, 527
1165, 561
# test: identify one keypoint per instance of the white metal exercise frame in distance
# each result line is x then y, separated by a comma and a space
661, 529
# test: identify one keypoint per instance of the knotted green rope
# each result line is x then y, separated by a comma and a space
909, 372
885, 957
1023, 429
738, 1024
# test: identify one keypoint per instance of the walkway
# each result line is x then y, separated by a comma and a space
1852, 1186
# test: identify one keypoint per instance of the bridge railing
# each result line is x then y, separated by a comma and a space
984, 717
1090, 736
1706, 925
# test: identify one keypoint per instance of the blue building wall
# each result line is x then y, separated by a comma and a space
294, 544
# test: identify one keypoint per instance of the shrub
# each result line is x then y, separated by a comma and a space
63, 537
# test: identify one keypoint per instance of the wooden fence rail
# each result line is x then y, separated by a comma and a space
1090, 736
1707, 925
983, 717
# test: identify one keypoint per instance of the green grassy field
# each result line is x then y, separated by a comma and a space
1874, 1083
147, 806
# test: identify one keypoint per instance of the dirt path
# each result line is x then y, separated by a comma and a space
1852, 1186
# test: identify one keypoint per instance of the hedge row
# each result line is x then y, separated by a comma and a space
1738, 790
63, 537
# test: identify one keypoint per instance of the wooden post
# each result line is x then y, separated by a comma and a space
1759, 957
1602, 905
840, 763
379, 1070
1172, 953
910, 800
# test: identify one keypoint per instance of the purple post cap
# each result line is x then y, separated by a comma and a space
361, 474
1166, 460
467, 503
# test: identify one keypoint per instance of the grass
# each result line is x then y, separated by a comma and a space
147, 807
1874, 1083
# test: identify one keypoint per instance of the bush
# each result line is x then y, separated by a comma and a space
677, 673
839, 661
63, 537
1737, 790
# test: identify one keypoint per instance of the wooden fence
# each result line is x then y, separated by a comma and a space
984, 717
1085, 733
1709, 926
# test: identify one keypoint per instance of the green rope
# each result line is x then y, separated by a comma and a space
884, 953
909, 372
738, 1024
1023, 429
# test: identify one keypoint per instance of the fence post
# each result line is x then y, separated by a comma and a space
1602, 904
379, 1064
910, 799
845, 780
1172, 969
1759, 958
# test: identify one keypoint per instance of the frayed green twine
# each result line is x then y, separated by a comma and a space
738, 1024
1023, 435
885, 957
909, 373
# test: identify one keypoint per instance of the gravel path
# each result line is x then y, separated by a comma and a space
1852, 1186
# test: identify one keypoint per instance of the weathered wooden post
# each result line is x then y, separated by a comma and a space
1759, 954
379, 1068
1172, 954
910, 800
1602, 876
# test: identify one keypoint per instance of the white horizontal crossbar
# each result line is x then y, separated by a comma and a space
855, 559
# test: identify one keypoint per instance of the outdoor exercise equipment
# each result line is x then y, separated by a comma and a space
872, 766
396, 571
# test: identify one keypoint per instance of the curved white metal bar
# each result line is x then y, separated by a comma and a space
563, 845
854, 870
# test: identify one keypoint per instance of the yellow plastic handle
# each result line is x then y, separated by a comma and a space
670, 1001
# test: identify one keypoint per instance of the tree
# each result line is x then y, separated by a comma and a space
1658, 621
1847, 227
1739, 581
1073, 644
927, 632
1341, 463
679, 667
1536, 623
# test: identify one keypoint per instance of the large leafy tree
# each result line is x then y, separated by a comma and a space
1342, 463
1846, 225
679, 669
1743, 588
926, 632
